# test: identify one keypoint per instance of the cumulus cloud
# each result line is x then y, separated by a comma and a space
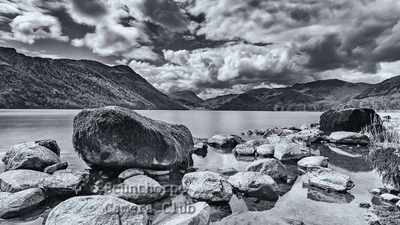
30, 27
239, 66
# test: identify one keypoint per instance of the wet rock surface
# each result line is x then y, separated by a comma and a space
15, 204
119, 138
255, 184
329, 179
272, 167
194, 214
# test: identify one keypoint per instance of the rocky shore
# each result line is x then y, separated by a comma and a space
142, 172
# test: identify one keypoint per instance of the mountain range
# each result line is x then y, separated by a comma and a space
33, 82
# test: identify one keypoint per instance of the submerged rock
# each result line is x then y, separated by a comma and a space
139, 189
354, 120
15, 204
271, 167
390, 198
97, 210
207, 186
248, 148
255, 184
53, 168
194, 214
119, 138
29, 155
329, 179
130, 173
265, 150
348, 138
321, 195
224, 141
312, 162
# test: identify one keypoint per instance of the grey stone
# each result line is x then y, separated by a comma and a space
15, 204
53, 168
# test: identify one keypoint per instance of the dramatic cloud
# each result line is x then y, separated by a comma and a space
239, 66
30, 27
218, 46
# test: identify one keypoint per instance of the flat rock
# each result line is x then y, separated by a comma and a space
255, 184
58, 166
329, 179
130, 173
266, 150
390, 198
207, 186
248, 148
194, 214
15, 204
287, 150
224, 141
97, 210
29, 155
312, 162
271, 167
139, 189
348, 138
19, 180
63, 183
119, 138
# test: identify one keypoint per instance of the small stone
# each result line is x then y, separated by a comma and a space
224, 141
390, 198
58, 166
272, 167
312, 162
15, 204
365, 205
50, 144
329, 179
266, 150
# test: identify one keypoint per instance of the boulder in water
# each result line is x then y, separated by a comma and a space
224, 141
353, 120
15, 204
312, 162
255, 184
119, 138
207, 186
329, 179
271, 167
97, 210
287, 150
248, 148
29, 155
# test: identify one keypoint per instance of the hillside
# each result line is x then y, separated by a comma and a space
186, 98
32, 82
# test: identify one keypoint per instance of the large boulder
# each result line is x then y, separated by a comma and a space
207, 186
329, 179
194, 214
224, 141
15, 204
97, 210
29, 155
348, 138
119, 138
139, 189
271, 167
255, 184
354, 120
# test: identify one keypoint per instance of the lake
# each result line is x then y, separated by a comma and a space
18, 126
309, 205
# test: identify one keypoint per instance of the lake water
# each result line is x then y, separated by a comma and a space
309, 205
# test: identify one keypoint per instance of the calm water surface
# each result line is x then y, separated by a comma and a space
311, 206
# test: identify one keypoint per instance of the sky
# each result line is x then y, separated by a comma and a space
214, 47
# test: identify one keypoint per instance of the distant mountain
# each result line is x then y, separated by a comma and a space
313, 96
216, 102
186, 98
32, 82
385, 95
